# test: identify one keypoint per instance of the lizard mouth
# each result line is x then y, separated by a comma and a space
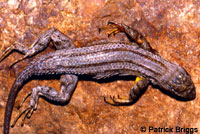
191, 95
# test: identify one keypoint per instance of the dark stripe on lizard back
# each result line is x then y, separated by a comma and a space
115, 46
133, 57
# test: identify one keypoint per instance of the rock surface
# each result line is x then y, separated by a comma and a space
171, 26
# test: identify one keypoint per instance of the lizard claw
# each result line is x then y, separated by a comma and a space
11, 48
116, 28
28, 95
6, 52
113, 28
118, 101
15, 62
26, 112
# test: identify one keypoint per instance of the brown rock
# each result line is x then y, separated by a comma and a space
172, 28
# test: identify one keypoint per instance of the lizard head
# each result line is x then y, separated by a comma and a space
180, 84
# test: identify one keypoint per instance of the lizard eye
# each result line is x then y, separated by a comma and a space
178, 79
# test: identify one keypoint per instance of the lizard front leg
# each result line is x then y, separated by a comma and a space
68, 84
133, 35
135, 92
59, 40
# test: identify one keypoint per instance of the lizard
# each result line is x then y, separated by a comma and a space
98, 61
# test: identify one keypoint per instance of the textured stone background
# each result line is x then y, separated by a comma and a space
171, 26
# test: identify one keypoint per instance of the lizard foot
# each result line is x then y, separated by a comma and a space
112, 28
27, 112
16, 61
116, 28
118, 101
16, 46
28, 95
7, 52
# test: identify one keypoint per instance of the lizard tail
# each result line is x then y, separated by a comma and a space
20, 80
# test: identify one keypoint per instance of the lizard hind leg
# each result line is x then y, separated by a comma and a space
67, 86
135, 92
59, 40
